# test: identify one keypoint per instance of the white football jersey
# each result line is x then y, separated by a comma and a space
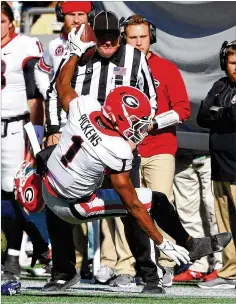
14, 55
49, 63
48, 66
85, 150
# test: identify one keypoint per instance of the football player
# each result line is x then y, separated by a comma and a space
20, 103
96, 139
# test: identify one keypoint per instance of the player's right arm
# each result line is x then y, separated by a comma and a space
65, 92
77, 49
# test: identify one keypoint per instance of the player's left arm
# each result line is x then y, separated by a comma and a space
123, 186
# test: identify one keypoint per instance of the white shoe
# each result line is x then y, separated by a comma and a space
104, 274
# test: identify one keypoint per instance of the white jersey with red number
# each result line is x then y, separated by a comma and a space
76, 166
14, 56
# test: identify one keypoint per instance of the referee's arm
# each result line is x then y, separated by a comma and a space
146, 83
52, 104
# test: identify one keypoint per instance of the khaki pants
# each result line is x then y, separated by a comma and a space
115, 251
225, 206
80, 237
157, 173
195, 204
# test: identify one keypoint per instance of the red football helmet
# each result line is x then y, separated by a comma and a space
28, 188
129, 111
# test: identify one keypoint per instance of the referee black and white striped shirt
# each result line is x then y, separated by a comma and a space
128, 66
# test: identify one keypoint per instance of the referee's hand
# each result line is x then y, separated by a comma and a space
76, 46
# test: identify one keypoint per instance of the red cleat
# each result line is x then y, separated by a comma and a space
212, 276
188, 275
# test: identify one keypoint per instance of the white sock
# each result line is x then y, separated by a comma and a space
13, 252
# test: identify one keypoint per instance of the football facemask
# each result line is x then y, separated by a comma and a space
28, 188
129, 111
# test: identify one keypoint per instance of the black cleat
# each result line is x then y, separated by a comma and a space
155, 287
12, 269
200, 247
60, 283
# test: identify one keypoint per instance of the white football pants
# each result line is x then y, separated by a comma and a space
106, 204
12, 154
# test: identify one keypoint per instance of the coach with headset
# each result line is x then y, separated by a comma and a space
218, 113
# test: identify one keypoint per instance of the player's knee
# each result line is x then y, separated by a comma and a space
7, 184
161, 205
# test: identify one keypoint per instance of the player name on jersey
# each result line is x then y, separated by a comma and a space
89, 130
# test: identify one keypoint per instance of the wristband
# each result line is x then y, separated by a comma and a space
39, 130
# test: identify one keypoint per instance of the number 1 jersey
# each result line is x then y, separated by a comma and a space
86, 149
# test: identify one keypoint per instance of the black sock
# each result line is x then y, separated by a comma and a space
13, 232
167, 218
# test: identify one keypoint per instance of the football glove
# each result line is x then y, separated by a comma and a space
176, 253
76, 46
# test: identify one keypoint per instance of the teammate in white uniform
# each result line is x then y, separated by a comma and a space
19, 93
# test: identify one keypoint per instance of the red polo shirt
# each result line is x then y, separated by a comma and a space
172, 95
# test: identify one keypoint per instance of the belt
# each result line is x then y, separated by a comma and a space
17, 118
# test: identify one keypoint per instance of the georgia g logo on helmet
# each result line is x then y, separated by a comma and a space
130, 101
29, 195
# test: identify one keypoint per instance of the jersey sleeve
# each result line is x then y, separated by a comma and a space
43, 70
45, 63
33, 47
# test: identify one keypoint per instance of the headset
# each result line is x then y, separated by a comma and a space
223, 53
61, 17
125, 22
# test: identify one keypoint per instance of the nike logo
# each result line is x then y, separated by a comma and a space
7, 53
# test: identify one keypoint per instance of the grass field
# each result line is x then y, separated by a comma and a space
21, 299
85, 292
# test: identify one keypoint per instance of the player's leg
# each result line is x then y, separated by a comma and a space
167, 218
13, 232
63, 273
12, 155
107, 203
40, 246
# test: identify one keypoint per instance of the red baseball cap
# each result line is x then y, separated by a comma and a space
75, 6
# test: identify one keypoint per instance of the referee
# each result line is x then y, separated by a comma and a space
112, 65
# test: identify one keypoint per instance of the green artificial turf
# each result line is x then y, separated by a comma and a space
21, 299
